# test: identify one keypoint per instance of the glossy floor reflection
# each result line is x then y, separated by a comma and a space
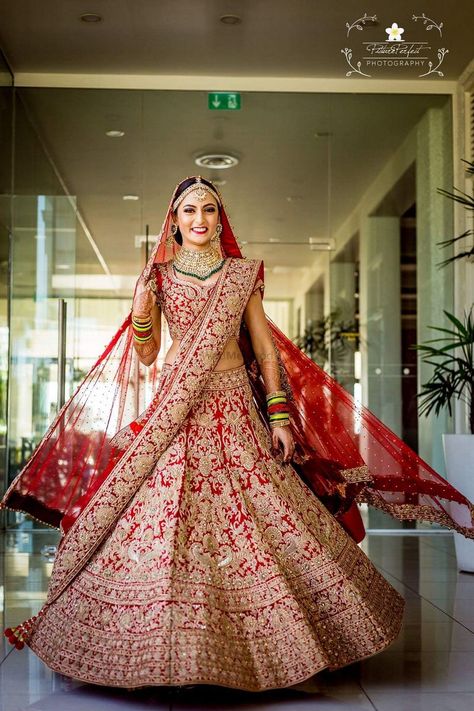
430, 666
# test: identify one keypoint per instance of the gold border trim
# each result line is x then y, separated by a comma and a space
418, 512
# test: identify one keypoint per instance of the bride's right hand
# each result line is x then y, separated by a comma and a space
143, 300
283, 436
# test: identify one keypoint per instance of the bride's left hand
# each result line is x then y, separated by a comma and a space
284, 436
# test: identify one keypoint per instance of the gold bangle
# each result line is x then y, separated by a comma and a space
283, 423
277, 393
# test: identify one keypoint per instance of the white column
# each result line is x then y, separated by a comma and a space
380, 319
434, 223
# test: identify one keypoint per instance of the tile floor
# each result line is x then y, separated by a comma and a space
429, 667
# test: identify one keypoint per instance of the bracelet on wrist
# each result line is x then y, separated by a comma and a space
283, 423
276, 419
277, 393
142, 329
277, 409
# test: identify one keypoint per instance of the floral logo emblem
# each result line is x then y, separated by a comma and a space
395, 51
394, 33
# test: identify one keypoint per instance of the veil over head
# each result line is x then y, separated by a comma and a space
343, 452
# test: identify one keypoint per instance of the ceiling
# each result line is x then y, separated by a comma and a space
278, 191
279, 38
289, 184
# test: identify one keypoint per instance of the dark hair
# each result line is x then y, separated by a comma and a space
180, 189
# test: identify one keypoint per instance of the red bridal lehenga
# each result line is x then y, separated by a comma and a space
190, 553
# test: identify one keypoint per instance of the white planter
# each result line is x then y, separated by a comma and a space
459, 459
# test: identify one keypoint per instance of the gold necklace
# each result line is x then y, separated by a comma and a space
198, 263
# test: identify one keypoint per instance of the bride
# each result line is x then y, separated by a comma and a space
210, 537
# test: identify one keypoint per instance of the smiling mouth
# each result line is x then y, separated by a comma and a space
199, 230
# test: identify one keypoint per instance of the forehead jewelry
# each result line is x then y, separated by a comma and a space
200, 190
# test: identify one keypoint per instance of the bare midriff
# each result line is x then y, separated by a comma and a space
231, 356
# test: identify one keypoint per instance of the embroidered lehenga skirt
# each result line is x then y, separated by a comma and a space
223, 569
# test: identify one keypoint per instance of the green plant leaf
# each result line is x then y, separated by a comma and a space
452, 240
453, 365
459, 255
463, 198
460, 326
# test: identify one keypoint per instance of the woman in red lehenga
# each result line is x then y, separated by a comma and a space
211, 536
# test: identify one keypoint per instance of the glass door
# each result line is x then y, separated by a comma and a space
43, 248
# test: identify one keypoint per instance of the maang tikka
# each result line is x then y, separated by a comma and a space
200, 189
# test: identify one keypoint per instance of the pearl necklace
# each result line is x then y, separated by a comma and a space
198, 263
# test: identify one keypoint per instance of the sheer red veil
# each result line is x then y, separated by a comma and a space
343, 452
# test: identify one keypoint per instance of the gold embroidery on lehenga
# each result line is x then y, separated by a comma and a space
357, 474
237, 278
254, 581
222, 568
142, 463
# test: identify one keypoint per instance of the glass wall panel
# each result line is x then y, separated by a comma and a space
41, 223
6, 153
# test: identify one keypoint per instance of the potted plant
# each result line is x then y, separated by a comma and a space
329, 333
452, 356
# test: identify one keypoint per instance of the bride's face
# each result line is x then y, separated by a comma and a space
197, 220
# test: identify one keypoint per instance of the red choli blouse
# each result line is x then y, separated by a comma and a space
181, 301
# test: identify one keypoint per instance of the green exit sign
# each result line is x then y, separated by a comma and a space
223, 100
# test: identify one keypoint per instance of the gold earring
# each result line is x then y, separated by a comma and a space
215, 240
170, 239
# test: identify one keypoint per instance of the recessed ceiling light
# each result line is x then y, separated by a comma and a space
130, 197
218, 161
230, 19
90, 17
273, 239
115, 134
63, 266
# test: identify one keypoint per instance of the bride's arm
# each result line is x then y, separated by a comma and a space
146, 323
264, 349
254, 317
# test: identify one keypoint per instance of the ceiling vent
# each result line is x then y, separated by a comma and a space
216, 161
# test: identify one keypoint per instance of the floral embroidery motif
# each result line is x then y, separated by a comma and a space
198, 353
223, 568
181, 301
203, 558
